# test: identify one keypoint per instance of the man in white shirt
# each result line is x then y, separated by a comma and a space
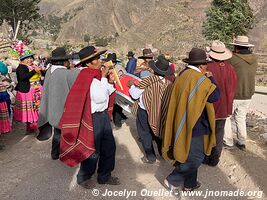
88, 102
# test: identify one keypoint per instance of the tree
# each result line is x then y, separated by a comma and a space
14, 10
228, 18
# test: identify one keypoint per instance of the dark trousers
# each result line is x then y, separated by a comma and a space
105, 151
118, 115
186, 173
214, 158
146, 135
56, 143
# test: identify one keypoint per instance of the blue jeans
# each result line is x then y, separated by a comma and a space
186, 173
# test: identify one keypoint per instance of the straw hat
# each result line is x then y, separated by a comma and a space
242, 41
218, 51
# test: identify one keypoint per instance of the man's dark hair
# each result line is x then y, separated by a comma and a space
58, 62
243, 50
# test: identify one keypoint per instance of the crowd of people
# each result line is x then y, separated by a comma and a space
191, 115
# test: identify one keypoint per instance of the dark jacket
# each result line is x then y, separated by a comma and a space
245, 66
131, 65
23, 77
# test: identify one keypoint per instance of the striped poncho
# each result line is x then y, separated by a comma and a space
155, 98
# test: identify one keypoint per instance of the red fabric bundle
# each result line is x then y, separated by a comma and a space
76, 124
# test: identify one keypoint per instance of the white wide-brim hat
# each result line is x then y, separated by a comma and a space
242, 41
218, 51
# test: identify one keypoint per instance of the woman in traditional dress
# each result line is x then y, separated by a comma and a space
29, 92
5, 110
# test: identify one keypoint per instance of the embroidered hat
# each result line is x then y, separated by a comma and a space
26, 54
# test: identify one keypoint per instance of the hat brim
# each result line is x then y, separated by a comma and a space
91, 56
221, 56
26, 56
67, 57
114, 61
129, 55
145, 57
196, 62
242, 45
153, 66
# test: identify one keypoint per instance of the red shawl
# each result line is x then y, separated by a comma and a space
76, 124
226, 79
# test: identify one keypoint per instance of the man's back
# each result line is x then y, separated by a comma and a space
56, 88
245, 66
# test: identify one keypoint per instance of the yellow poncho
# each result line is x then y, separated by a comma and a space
188, 99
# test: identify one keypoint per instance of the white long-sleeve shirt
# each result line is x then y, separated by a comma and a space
137, 93
99, 93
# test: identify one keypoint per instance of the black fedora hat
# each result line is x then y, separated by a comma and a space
89, 53
196, 57
59, 54
130, 54
147, 54
161, 66
112, 57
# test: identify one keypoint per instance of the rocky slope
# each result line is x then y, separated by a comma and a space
173, 25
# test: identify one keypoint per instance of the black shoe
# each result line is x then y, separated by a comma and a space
123, 116
206, 160
145, 160
242, 147
88, 184
111, 181
54, 157
193, 188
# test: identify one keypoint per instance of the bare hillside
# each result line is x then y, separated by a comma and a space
174, 25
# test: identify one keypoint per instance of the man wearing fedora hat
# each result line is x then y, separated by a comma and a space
150, 94
245, 64
225, 76
143, 70
131, 64
57, 84
87, 136
189, 132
